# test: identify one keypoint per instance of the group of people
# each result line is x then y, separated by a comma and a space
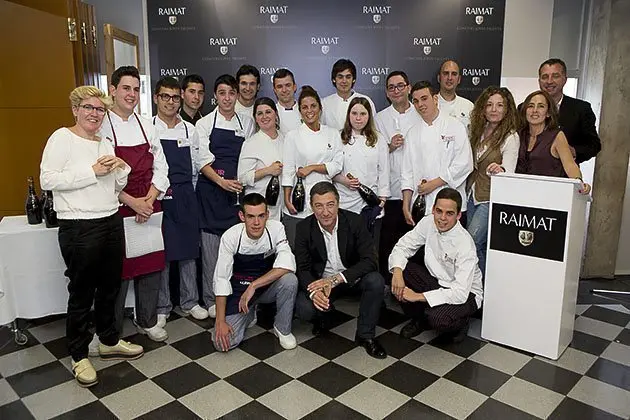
283, 202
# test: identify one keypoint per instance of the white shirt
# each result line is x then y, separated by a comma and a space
370, 165
260, 151
128, 133
333, 257
335, 109
66, 170
204, 127
229, 247
509, 157
245, 110
303, 147
184, 134
439, 150
458, 108
390, 122
290, 119
450, 257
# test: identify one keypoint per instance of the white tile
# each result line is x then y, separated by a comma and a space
226, 364
50, 331
215, 400
7, 394
181, 328
302, 331
159, 361
500, 358
580, 309
603, 396
573, 359
349, 329
136, 400
373, 399
350, 307
57, 400
528, 397
296, 362
597, 328
432, 359
451, 398
359, 361
25, 359
617, 352
283, 400
250, 332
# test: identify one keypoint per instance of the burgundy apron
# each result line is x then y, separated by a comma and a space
140, 160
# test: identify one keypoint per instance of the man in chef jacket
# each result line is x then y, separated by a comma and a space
284, 87
449, 102
248, 79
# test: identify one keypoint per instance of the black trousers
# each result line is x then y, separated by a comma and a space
442, 318
372, 290
93, 252
392, 229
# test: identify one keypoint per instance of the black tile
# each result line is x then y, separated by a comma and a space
262, 346
624, 337
94, 411
607, 315
549, 376
15, 411
329, 346
144, 341
588, 343
196, 346
334, 410
206, 324
396, 345
611, 372
405, 378
8, 344
413, 409
332, 379
335, 318
115, 378
170, 411
252, 411
475, 376
493, 409
390, 319
570, 409
257, 380
39, 378
58, 347
465, 349
185, 379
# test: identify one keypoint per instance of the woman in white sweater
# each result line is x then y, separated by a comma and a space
85, 177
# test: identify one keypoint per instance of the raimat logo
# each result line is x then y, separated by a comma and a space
325, 42
375, 72
377, 12
174, 72
476, 74
479, 13
172, 13
273, 12
269, 71
223, 43
427, 43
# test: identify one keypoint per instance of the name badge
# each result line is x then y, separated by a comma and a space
269, 253
239, 133
183, 142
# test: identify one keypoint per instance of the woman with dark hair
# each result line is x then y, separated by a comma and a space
312, 153
261, 156
544, 149
365, 161
494, 143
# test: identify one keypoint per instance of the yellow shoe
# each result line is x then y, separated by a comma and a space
84, 373
123, 350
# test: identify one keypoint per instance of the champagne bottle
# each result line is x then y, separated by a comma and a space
366, 193
419, 208
33, 206
298, 196
48, 211
273, 191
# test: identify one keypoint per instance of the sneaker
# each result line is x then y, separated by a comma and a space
161, 320
93, 347
155, 333
123, 350
288, 341
197, 312
212, 311
84, 373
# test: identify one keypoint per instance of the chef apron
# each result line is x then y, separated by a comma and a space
180, 224
247, 268
140, 160
217, 207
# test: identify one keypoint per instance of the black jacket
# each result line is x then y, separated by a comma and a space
577, 122
356, 249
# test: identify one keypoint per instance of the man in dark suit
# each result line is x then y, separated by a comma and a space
335, 253
577, 119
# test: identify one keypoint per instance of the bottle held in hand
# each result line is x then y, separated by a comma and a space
48, 211
298, 196
419, 207
33, 205
366, 193
273, 191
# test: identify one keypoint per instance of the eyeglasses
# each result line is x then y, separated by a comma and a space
399, 86
166, 97
89, 108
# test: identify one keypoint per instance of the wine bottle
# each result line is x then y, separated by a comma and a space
273, 191
367, 194
298, 196
419, 208
48, 211
33, 206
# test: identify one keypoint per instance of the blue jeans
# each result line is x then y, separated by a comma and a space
478, 229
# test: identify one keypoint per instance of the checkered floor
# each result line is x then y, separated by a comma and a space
325, 378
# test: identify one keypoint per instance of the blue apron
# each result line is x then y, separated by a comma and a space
218, 209
247, 268
180, 224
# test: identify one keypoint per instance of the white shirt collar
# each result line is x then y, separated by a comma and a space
334, 231
159, 121
560, 101
352, 93
444, 100
282, 108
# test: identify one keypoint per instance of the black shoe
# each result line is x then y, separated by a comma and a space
461, 334
320, 327
452, 337
372, 347
413, 328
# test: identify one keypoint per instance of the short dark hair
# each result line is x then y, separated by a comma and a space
422, 85
167, 82
264, 101
123, 71
324, 187
246, 69
308, 92
226, 79
450, 194
551, 62
341, 65
193, 78
282, 73
397, 73
253, 199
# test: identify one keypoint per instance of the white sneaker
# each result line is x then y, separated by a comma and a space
161, 320
212, 311
155, 333
197, 312
93, 347
288, 341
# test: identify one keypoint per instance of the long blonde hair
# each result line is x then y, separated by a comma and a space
507, 125
369, 131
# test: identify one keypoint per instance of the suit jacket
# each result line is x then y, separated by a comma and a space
356, 248
577, 122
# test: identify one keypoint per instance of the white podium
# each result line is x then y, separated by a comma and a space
535, 239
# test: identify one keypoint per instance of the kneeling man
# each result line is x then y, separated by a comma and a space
255, 265
443, 293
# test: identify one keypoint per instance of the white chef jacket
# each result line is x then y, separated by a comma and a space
509, 157
440, 150
450, 257
260, 151
229, 246
290, 119
370, 165
303, 147
458, 108
184, 134
245, 110
390, 122
335, 109
204, 127
128, 133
